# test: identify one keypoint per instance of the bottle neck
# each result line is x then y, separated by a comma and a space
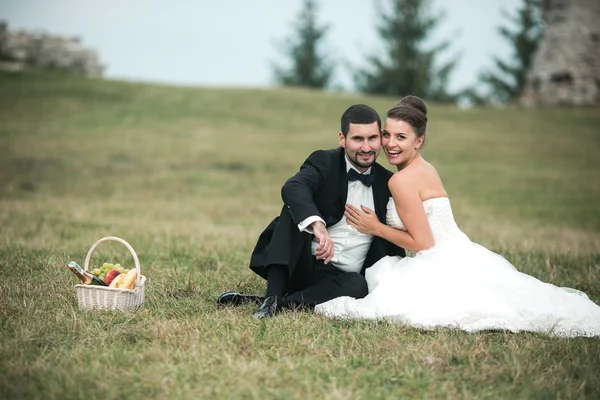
78, 271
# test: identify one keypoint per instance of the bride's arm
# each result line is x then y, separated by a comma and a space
410, 209
418, 235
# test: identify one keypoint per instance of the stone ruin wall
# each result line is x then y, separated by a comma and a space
566, 66
24, 49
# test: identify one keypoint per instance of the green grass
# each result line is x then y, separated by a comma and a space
190, 177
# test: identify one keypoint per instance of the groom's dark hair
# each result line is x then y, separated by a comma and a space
359, 114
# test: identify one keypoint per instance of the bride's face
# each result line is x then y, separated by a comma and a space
400, 142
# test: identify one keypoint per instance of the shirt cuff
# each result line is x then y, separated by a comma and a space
304, 226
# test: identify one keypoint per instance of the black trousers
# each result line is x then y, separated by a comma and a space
312, 282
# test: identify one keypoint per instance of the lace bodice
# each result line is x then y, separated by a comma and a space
439, 215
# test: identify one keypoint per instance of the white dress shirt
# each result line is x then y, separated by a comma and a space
350, 246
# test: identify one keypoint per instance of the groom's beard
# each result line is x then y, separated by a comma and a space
358, 162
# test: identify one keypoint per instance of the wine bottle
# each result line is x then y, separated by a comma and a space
84, 277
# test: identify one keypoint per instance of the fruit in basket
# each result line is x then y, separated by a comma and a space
102, 271
129, 280
108, 273
112, 274
117, 281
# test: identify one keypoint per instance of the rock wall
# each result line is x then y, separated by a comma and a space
566, 66
24, 49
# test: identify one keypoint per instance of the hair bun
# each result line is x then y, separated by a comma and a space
414, 102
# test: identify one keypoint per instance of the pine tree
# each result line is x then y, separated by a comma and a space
309, 67
506, 82
407, 67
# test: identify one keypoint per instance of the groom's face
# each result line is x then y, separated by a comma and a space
362, 144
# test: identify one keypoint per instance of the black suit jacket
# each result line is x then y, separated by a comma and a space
319, 188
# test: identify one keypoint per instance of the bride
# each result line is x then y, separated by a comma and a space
448, 281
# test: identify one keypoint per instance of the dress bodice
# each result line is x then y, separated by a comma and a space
439, 215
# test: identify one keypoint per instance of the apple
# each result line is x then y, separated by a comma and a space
112, 274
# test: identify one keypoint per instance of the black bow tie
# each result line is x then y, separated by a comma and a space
367, 179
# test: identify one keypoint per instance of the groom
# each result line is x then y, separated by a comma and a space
309, 254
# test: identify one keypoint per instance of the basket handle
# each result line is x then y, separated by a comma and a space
114, 239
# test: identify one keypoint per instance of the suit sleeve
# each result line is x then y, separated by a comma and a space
298, 193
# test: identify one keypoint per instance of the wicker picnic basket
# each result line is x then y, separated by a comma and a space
91, 297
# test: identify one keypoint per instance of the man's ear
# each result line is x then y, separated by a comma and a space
342, 139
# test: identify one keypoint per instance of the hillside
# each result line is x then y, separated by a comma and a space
222, 154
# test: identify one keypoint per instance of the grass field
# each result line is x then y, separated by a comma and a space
190, 177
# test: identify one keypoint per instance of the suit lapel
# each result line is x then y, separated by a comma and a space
343, 180
380, 193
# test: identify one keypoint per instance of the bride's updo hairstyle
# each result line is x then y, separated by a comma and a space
413, 111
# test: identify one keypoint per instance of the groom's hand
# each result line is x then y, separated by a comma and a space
325, 247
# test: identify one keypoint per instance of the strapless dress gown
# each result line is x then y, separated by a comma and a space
461, 284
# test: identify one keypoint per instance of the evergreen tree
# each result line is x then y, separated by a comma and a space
309, 67
407, 66
507, 80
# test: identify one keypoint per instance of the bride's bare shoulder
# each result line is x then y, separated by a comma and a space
403, 175
415, 171
421, 177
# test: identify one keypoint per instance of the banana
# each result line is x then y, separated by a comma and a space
129, 281
118, 279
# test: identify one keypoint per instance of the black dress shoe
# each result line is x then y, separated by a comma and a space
237, 299
267, 309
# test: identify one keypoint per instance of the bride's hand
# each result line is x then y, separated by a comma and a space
364, 221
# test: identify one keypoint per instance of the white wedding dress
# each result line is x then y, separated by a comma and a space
460, 284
